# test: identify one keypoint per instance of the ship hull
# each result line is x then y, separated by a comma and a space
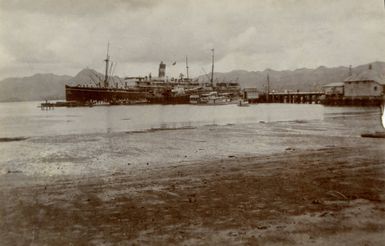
184, 99
94, 94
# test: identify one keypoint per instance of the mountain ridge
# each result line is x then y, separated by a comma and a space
309, 79
49, 86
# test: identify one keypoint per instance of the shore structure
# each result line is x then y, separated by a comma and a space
366, 88
252, 95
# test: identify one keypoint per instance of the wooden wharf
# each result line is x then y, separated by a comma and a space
295, 97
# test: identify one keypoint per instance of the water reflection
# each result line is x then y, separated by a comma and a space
25, 119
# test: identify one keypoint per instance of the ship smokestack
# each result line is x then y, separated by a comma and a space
107, 60
162, 70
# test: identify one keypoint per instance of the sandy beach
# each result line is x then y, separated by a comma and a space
331, 192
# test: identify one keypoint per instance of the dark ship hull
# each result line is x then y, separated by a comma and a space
83, 95
183, 99
109, 95
93, 95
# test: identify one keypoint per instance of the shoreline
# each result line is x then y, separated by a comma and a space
283, 182
320, 196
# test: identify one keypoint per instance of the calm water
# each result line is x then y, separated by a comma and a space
102, 139
26, 119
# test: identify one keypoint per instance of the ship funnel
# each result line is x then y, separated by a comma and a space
162, 70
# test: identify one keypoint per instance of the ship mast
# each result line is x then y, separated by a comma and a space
187, 67
107, 60
268, 87
212, 68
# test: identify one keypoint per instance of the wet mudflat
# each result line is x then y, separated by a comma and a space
325, 196
271, 181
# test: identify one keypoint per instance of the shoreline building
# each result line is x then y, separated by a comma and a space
367, 84
364, 88
252, 95
335, 89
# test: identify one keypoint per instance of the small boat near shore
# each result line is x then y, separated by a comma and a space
373, 135
51, 105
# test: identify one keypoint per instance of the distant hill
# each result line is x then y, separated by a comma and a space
36, 87
302, 79
51, 86
46, 86
92, 77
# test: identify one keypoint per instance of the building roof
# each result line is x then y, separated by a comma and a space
335, 84
367, 75
250, 89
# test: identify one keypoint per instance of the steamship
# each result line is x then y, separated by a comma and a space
104, 92
145, 89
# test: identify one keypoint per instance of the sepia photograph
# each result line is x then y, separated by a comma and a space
192, 122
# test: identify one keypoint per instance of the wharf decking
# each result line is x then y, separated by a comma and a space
295, 97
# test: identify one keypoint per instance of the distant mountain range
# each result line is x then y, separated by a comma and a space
46, 86
303, 79
51, 86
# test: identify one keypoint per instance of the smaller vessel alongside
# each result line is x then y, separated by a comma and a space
243, 103
212, 98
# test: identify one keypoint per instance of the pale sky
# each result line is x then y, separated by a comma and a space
65, 36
